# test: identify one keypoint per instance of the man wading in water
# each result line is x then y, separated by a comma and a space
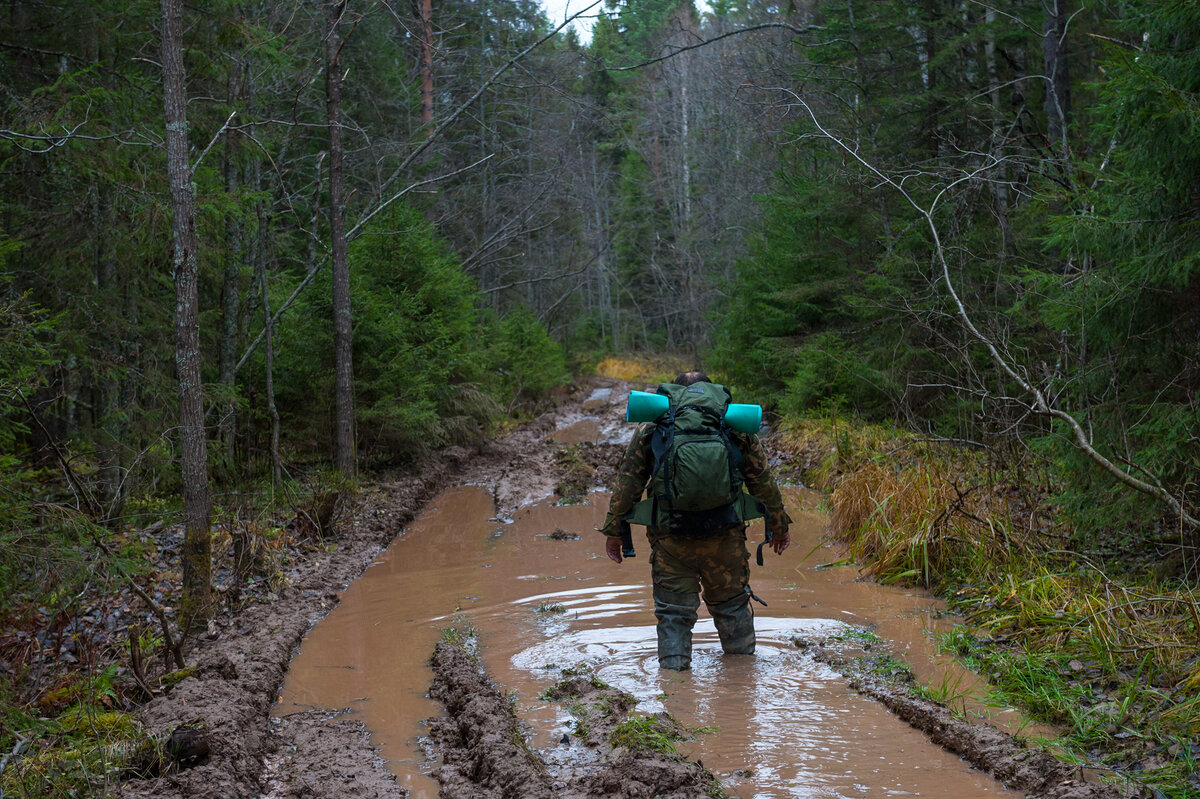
695, 515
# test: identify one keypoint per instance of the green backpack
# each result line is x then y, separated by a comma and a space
696, 486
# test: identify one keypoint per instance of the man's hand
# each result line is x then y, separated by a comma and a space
612, 548
781, 541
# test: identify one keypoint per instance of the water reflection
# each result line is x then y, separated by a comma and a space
783, 724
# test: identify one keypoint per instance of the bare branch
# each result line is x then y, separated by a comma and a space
541, 279
367, 217
704, 43
470, 101
213, 141
1041, 403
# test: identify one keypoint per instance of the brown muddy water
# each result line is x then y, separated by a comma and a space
785, 725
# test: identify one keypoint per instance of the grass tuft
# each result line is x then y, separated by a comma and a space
641, 733
1107, 649
648, 370
462, 634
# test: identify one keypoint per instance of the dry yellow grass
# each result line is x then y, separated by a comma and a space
661, 369
913, 523
986, 537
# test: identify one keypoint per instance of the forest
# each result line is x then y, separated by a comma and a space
255, 255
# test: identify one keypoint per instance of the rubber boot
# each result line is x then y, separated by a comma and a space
734, 620
676, 616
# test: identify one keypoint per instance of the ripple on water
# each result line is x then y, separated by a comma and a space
785, 725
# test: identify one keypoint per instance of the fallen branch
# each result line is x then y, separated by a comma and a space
174, 648
91, 506
17, 749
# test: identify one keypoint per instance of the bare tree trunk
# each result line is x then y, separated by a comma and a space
999, 187
427, 66
109, 411
230, 300
263, 251
1058, 83
269, 344
195, 606
931, 118
342, 319
684, 144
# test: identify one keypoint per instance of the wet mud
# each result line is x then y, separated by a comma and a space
240, 664
483, 751
485, 754
353, 716
1019, 766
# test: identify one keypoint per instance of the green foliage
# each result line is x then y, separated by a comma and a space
430, 368
827, 372
71, 753
416, 375
1087, 278
806, 325
42, 560
1125, 720
647, 733
528, 361
1130, 302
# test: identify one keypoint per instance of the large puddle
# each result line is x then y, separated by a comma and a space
785, 726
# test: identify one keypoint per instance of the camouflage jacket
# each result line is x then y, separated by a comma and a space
637, 464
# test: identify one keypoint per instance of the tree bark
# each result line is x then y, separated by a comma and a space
269, 345
1058, 83
931, 113
195, 606
427, 66
110, 411
262, 254
230, 301
999, 186
342, 319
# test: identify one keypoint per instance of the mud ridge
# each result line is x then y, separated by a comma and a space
483, 750
241, 664
485, 754
1016, 765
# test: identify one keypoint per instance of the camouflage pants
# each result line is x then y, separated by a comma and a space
720, 565
680, 569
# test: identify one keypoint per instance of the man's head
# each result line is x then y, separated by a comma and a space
687, 378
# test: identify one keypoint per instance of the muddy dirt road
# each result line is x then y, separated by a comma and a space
527, 576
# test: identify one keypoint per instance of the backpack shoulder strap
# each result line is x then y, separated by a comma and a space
737, 461
662, 438
660, 444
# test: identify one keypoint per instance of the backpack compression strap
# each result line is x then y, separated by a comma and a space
660, 443
767, 536
736, 464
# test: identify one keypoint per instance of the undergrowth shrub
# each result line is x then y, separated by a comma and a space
1111, 653
528, 362
914, 524
426, 357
